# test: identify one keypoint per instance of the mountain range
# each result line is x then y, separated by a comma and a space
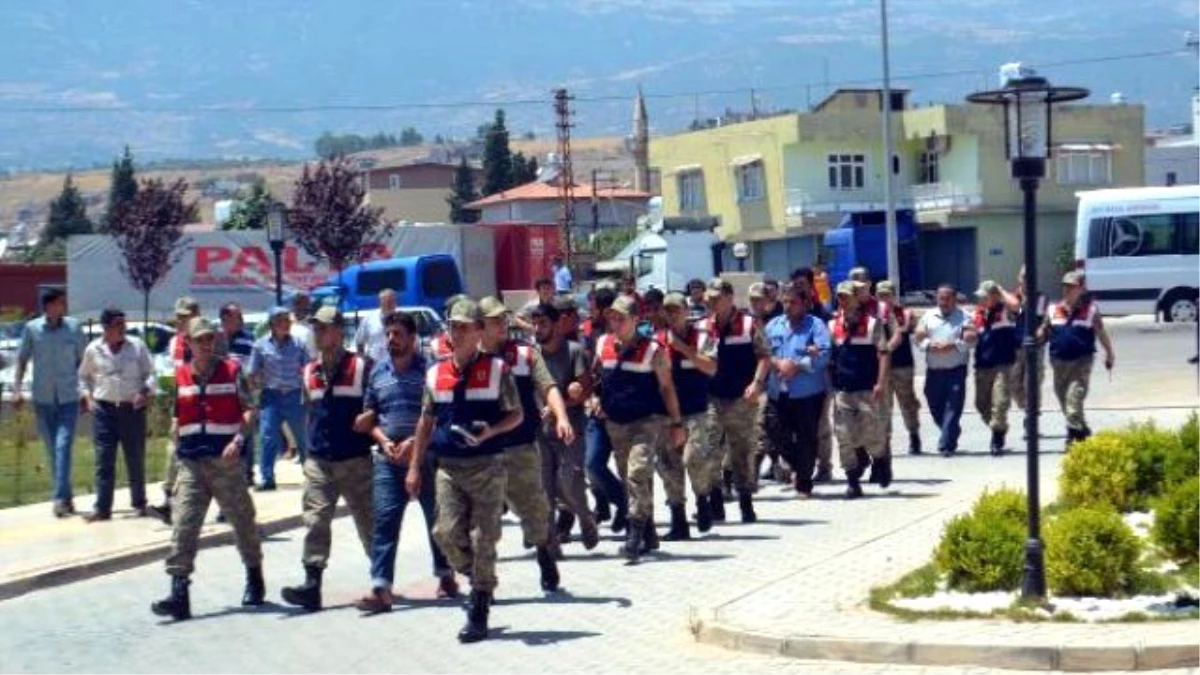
264, 78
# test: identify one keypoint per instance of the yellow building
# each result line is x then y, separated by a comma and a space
779, 184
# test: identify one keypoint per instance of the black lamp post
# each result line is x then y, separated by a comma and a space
1027, 101
276, 229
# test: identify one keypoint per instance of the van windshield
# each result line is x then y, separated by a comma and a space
371, 282
439, 279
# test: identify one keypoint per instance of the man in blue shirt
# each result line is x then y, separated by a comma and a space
239, 345
562, 276
277, 368
54, 344
796, 383
392, 407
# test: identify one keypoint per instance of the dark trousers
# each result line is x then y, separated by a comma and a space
389, 499
794, 430
113, 424
604, 482
946, 393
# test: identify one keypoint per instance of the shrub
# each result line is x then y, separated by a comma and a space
984, 550
1099, 473
1176, 526
1090, 551
1183, 463
1151, 446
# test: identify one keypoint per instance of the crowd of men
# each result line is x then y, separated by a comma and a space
529, 412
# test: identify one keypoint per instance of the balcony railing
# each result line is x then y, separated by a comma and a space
926, 197
945, 197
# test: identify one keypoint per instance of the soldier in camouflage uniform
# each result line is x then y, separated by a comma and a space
470, 401
995, 354
213, 410
900, 374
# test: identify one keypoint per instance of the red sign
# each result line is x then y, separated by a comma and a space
233, 266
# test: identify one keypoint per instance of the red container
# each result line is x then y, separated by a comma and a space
524, 252
21, 284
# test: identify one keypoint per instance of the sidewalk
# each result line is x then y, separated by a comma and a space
39, 551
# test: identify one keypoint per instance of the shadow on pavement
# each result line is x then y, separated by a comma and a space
869, 494
734, 522
564, 597
535, 638
284, 612
666, 556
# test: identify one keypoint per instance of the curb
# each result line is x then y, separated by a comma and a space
119, 561
1137, 656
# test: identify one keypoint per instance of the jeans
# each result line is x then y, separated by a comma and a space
275, 408
56, 426
946, 392
389, 498
796, 425
604, 482
113, 424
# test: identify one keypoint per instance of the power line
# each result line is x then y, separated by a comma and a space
516, 102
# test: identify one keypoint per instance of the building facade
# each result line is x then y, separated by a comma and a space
414, 192
540, 203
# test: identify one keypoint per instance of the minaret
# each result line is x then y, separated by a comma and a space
639, 145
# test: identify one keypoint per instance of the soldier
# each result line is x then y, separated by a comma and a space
338, 464
995, 354
186, 309
743, 360
900, 374
860, 374
608, 490
1018, 372
213, 411
764, 307
636, 390
1072, 326
440, 347
692, 364
470, 400
524, 492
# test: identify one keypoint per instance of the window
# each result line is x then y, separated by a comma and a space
691, 191
750, 183
439, 279
394, 181
1144, 235
847, 172
371, 282
1083, 167
928, 169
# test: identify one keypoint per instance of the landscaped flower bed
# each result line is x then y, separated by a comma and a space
1121, 542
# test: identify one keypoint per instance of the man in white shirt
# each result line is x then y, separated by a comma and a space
946, 337
369, 338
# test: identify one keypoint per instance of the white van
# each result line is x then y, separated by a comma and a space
1140, 249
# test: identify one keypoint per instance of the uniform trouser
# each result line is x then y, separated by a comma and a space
1071, 380
199, 482
324, 483
697, 461
525, 494
563, 474
1017, 380
112, 424
901, 393
470, 500
993, 396
737, 419
389, 499
825, 436
635, 444
857, 425
946, 392
599, 451
796, 434
766, 439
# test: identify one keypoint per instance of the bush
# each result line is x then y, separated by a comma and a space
1183, 463
984, 550
1151, 446
1176, 526
1090, 551
1099, 473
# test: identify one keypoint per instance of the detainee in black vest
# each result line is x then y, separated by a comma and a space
470, 403
339, 460
524, 491
995, 353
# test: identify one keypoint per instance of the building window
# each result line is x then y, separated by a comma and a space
394, 181
691, 191
750, 182
929, 170
1083, 167
847, 172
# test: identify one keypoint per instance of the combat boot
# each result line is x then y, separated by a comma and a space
177, 605
476, 628
649, 537
549, 568
746, 504
704, 516
564, 524
997, 443
256, 588
308, 594
680, 530
914, 443
882, 469
620, 520
632, 548
716, 501
853, 484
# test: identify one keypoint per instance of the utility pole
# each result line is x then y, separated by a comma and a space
893, 244
595, 204
566, 186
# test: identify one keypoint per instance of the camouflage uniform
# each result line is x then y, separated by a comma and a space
324, 483
738, 420
856, 419
696, 461
992, 396
636, 446
1071, 381
825, 437
524, 492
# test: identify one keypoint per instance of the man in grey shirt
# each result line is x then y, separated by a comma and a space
946, 337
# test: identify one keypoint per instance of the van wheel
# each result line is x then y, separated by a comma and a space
1181, 305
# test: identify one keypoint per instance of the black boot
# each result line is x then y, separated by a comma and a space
1072, 436
727, 485
997, 443
256, 589
746, 504
649, 537
716, 501
882, 471
177, 605
632, 548
566, 521
704, 515
162, 512
307, 595
680, 530
854, 486
603, 512
476, 628
824, 475
620, 521
549, 569
914, 443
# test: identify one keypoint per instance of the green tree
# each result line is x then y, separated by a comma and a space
68, 215
249, 212
122, 189
462, 192
523, 170
409, 137
497, 157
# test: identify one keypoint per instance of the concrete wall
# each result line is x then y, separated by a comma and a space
1000, 246
1183, 161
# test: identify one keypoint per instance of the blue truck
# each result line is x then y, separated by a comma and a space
860, 240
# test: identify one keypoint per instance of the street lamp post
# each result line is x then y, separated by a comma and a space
1027, 101
740, 252
276, 229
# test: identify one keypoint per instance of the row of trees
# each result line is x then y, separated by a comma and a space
331, 145
503, 169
